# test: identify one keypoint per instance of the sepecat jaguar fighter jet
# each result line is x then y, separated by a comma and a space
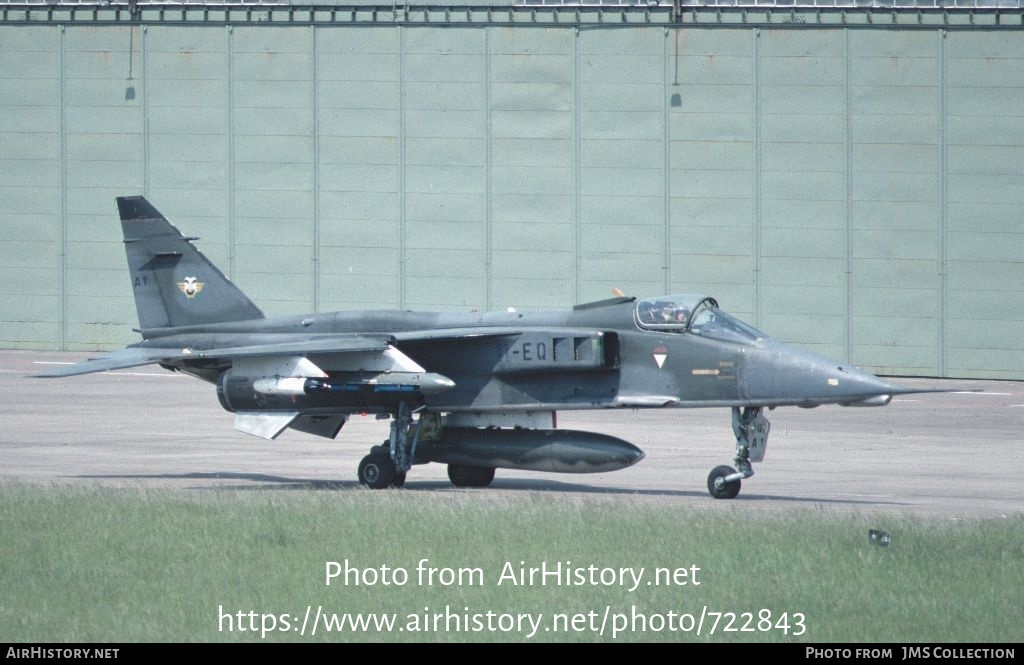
475, 391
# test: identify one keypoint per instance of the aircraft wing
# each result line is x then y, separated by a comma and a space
484, 333
457, 333
325, 344
135, 356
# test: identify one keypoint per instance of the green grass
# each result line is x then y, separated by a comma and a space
111, 564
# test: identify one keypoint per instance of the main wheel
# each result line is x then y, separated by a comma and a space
462, 475
720, 489
377, 471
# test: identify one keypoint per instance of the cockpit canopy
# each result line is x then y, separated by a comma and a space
695, 314
670, 313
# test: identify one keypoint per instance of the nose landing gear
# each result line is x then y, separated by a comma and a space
751, 429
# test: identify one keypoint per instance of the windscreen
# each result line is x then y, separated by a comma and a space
710, 321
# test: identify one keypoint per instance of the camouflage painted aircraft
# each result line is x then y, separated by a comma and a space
475, 391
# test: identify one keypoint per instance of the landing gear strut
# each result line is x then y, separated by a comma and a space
751, 429
387, 464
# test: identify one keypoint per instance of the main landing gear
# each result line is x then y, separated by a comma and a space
751, 430
387, 464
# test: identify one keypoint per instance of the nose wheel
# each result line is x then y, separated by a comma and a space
719, 486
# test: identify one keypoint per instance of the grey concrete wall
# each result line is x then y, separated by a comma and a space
856, 190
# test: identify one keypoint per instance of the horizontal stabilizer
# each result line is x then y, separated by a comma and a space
134, 356
129, 357
263, 425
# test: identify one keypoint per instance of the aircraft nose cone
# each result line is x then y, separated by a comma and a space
776, 372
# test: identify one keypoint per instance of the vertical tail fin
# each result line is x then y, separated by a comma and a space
175, 285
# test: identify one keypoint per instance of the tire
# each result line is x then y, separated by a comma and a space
462, 475
377, 471
730, 489
399, 480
